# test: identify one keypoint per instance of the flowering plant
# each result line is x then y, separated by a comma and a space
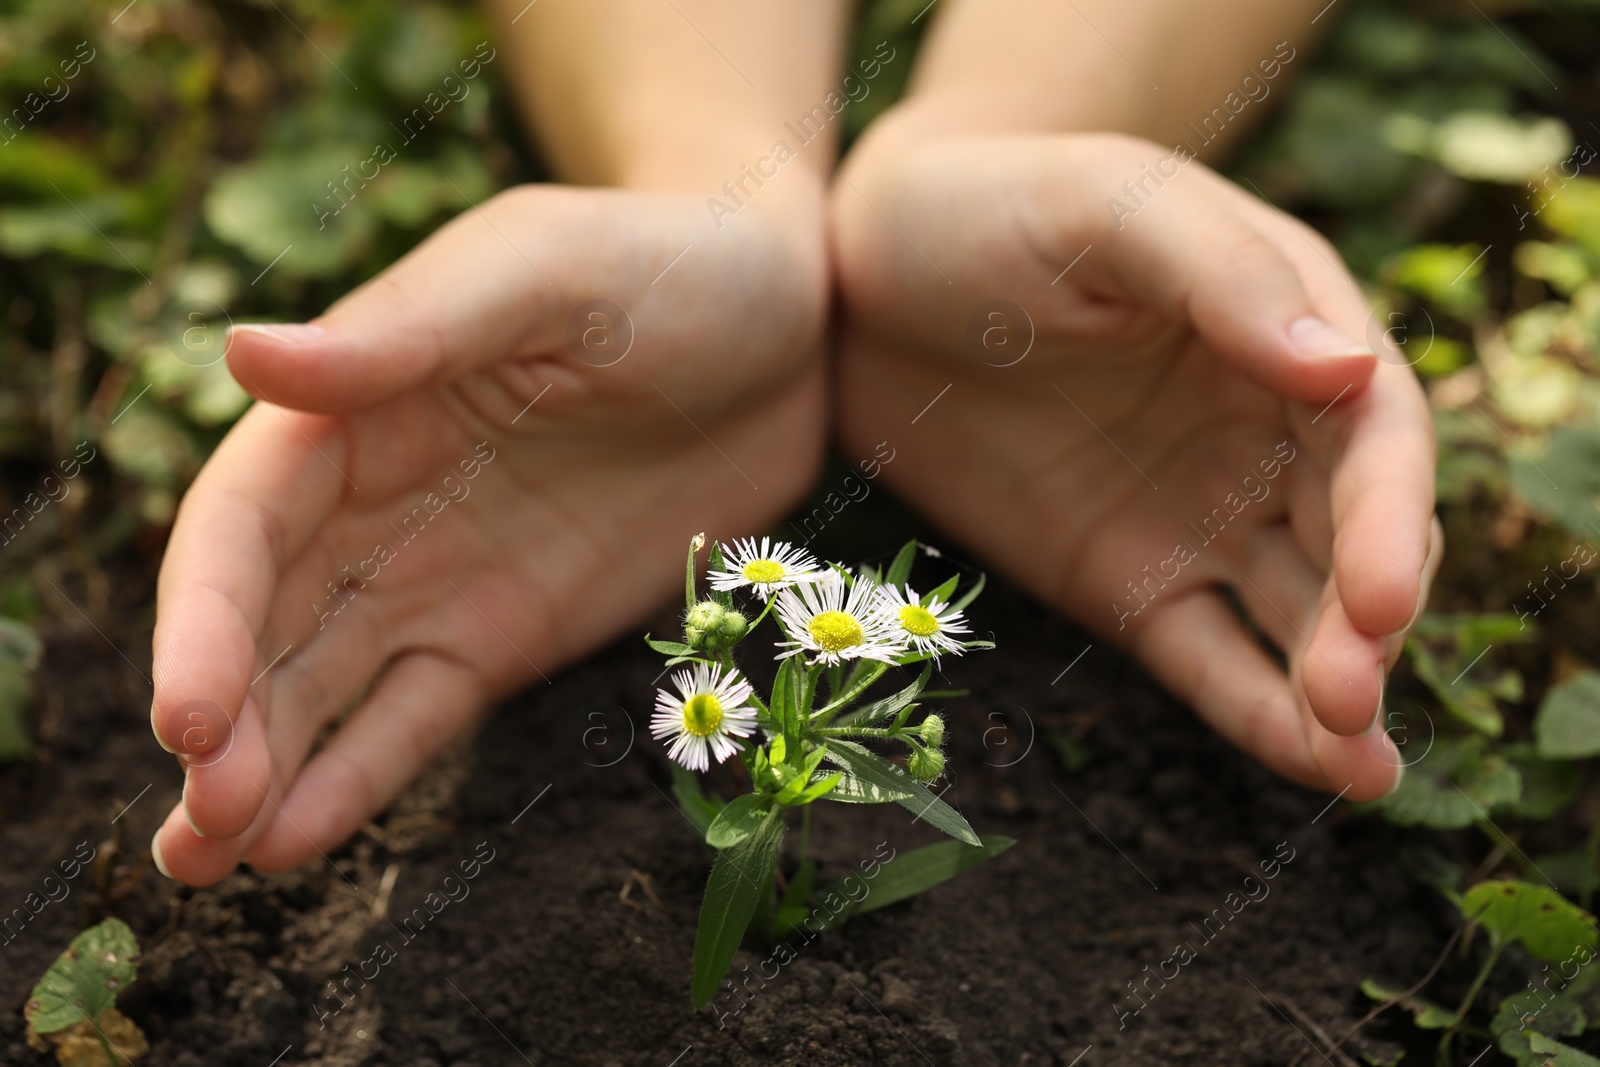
840, 633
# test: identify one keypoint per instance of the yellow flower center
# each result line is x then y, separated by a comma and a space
835, 631
702, 714
918, 621
762, 571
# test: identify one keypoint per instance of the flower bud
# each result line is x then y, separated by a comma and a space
711, 627
925, 764
932, 731
734, 627
706, 615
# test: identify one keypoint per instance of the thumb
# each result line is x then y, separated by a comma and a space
483, 289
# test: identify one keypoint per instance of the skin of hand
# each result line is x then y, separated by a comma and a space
1171, 405
459, 478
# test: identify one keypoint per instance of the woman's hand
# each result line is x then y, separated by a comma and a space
1175, 406
460, 478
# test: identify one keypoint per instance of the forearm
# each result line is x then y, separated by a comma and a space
676, 95
1150, 68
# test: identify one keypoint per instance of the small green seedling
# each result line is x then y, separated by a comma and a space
72, 1007
840, 632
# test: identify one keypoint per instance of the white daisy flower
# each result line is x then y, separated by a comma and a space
708, 709
835, 622
927, 629
765, 568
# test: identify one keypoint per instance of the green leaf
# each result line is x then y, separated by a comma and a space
1527, 1012
1447, 654
1425, 1013
942, 592
281, 205
1550, 927
1564, 482
739, 879
971, 594
695, 543
85, 980
1457, 784
1554, 1054
699, 808
790, 793
1567, 725
715, 563
900, 569
916, 872
787, 689
741, 817
889, 706
1547, 786
867, 766
669, 648
820, 788
853, 790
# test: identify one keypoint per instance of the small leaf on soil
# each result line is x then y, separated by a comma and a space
1457, 784
1425, 1013
85, 979
1548, 926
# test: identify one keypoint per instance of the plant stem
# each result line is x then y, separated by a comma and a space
111, 1057
887, 732
1466, 1002
805, 833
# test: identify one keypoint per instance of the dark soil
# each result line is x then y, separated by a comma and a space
573, 942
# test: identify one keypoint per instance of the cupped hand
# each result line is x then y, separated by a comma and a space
1167, 419
461, 477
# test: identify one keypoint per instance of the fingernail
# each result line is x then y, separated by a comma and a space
1399, 776
1382, 745
186, 815
1377, 716
155, 854
1311, 338
294, 333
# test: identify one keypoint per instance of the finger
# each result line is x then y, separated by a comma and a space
1200, 651
1359, 768
421, 704
319, 685
1198, 259
222, 789
258, 501
1310, 512
472, 294
185, 856
1281, 589
1378, 445
1343, 671
1381, 451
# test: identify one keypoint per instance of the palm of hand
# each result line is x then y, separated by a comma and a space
485, 504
